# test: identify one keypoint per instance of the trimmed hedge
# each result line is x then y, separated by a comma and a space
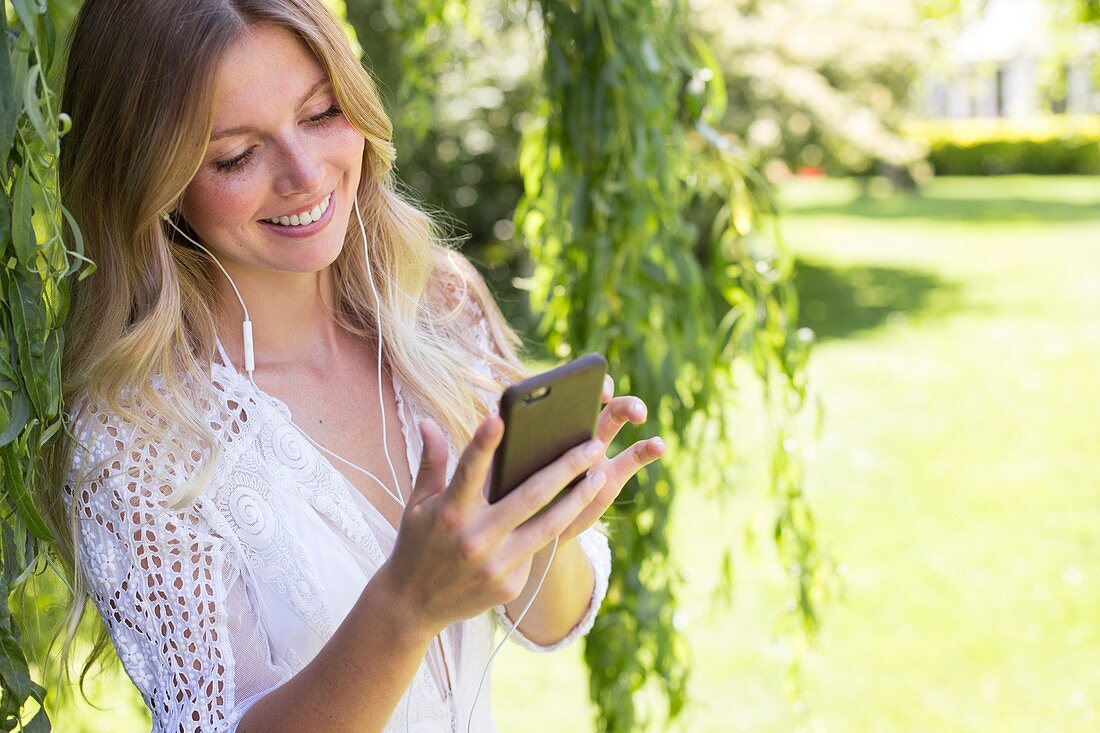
1051, 145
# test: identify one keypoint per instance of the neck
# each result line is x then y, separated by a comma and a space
292, 324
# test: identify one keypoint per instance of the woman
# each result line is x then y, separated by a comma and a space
230, 161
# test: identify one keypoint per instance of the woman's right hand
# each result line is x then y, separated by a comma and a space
456, 555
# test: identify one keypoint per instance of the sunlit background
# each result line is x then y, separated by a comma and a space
937, 163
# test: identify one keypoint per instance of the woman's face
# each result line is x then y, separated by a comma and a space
281, 154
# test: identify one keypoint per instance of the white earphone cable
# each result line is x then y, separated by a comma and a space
378, 338
515, 625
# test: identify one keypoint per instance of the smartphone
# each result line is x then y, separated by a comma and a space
544, 416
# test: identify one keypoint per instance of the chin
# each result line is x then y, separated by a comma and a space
317, 260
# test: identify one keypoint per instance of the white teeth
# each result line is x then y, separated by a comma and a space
306, 217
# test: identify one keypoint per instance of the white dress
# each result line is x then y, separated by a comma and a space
212, 606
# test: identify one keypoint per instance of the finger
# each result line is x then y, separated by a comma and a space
542, 530
468, 482
608, 389
595, 509
623, 466
642, 453
432, 476
528, 498
618, 412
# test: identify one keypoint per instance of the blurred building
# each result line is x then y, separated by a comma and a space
1016, 58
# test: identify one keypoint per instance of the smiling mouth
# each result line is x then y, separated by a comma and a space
302, 218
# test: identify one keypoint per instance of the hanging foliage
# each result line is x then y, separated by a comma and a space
622, 155
35, 298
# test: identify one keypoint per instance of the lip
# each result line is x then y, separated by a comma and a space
300, 232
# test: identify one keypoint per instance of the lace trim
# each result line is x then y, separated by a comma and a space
312, 475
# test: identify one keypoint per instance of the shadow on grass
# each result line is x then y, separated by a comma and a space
839, 302
955, 209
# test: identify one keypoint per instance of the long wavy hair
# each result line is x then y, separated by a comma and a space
138, 87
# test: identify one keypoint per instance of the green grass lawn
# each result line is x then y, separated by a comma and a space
957, 480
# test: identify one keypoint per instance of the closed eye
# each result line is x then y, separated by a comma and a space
331, 113
226, 166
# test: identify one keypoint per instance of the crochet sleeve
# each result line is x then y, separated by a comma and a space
596, 548
592, 541
170, 595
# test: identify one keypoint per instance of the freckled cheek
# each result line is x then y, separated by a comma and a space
212, 205
347, 147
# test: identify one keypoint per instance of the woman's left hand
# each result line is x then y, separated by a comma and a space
618, 469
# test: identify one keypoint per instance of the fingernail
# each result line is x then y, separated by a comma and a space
637, 408
658, 444
596, 479
593, 449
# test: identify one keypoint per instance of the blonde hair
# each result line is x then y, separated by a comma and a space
138, 86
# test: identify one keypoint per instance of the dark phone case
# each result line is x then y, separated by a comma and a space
537, 432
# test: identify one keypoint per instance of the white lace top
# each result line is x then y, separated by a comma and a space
212, 606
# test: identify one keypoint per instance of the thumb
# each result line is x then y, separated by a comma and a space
432, 477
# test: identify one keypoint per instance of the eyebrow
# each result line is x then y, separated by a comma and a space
241, 129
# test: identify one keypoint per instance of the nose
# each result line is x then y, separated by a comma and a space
302, 171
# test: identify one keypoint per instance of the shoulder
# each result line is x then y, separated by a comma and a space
100, 435
155, 447
465, 301
456, 281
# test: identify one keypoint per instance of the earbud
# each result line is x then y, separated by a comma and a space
246, 325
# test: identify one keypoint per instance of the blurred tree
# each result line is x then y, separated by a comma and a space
459, 97
820, 84
623, 145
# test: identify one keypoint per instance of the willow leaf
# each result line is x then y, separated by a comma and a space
25, 301
17, 417
31, 105
9, 104
8, 378
78, 245
18, 495
28, 11
22, 228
